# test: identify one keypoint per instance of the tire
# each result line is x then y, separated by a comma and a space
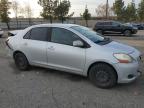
100, 31
103, 75
0, 36
127, 33
21, 61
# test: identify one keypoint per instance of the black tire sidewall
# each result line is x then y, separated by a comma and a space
125, 33
111, 72
25, 61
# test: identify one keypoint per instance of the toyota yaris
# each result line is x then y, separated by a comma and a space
76, 49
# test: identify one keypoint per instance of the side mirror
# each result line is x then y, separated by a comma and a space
78, 43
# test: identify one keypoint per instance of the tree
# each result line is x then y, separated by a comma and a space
119, 9
15, 7
141, 10
21, 12
86, 15
101, 11
62, 10
28, 12
48, 8
130, 13
4, 12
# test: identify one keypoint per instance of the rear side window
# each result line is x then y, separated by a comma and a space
40, 34
115, 23
104, 23
107, 23
99, 23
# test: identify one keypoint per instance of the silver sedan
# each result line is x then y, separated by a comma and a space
76, 49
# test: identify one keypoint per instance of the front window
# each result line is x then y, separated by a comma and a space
116, 23
63, 36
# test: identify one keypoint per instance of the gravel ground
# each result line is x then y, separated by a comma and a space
45, 88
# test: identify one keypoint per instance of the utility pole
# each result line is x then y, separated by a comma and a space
107, 5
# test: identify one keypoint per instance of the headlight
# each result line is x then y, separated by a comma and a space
123, 58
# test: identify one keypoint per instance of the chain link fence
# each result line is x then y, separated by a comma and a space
24, 23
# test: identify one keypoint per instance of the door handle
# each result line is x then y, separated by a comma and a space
51, 48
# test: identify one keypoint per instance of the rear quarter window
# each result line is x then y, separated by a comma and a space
99, 23
107, 23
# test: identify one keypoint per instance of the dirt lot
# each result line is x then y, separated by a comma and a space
45, 88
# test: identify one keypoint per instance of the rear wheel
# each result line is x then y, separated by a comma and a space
127, 33
103, 75
21, 61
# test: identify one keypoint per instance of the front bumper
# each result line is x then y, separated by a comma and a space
127, 72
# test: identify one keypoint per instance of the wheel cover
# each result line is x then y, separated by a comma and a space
127, 33
102, 76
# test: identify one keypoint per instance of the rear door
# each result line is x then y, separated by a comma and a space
62, 54
35, 45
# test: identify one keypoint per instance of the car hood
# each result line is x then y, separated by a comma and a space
117, 47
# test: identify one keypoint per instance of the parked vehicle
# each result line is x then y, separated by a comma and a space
1, 32
76, 49
139, 26
104, 27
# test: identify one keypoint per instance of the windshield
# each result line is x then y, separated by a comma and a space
128, 24
90, 34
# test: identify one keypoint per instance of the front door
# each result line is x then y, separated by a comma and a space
62, 54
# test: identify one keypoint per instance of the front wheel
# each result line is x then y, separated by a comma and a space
103, 75
21, 61
127, 33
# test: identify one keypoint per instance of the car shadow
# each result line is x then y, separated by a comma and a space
46, 72
51, 72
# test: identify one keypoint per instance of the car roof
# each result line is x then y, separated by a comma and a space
106, 21
55, 25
